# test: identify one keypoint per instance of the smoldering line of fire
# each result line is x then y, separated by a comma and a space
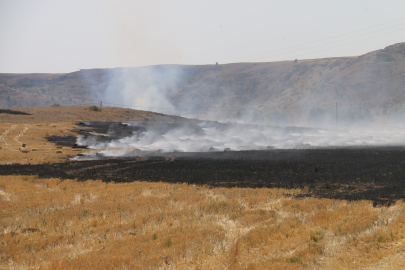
211, 136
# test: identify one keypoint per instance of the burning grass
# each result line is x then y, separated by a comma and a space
50, 223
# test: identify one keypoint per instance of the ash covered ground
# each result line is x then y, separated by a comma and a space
330, 164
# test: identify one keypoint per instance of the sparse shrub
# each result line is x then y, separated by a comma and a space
168, 242
94, 109
154, 237
56, 105
296, 206
380, 239
223, 205
317, 237
294, 260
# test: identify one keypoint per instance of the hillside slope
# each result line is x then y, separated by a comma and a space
364, 87
56, 114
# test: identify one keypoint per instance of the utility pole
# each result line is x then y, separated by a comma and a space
336, 117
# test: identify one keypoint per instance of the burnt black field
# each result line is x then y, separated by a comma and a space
6, 111
357, 173
375, 174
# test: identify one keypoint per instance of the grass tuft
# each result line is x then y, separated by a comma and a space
168, 242
294, 260
94, 109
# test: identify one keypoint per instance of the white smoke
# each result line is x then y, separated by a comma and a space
212, 136
143, 88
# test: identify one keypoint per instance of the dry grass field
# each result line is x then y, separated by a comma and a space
25, 143
57, 114
54, 224
66, 224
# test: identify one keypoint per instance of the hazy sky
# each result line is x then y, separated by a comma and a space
65, 36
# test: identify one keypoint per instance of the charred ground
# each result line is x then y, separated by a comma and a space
375, 174
5, 111
356, 173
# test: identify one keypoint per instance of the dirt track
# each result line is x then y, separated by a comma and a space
375, 174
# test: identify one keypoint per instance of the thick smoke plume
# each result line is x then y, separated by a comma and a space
143, 88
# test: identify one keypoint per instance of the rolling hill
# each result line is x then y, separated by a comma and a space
366, 87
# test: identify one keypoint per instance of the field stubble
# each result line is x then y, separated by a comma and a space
25, 143
50, 223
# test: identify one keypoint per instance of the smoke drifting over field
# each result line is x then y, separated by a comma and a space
206, 136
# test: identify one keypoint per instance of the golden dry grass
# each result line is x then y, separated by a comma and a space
77, 113
54, 224
26, 143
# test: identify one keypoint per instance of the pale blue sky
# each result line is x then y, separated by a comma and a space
64, 36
